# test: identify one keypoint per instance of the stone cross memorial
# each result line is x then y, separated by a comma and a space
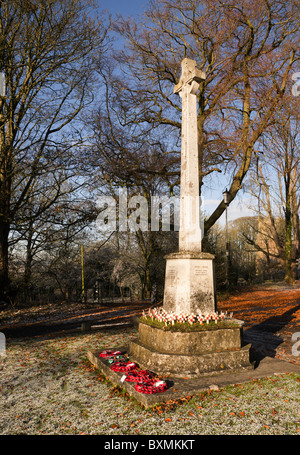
189, 282
189, 286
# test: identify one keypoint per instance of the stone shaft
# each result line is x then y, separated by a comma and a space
190, 235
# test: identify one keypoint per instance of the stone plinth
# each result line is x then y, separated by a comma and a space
190, 283
189, 343
190, 354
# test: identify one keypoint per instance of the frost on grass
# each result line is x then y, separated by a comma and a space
47, 388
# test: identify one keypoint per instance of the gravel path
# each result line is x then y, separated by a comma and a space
48, 387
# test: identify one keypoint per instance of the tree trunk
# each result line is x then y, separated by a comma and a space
4, 278
288, 239
28, 266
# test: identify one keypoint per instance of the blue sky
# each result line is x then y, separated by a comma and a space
124, 7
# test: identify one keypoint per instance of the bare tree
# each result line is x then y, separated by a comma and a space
276, 187
247, 50
47, 54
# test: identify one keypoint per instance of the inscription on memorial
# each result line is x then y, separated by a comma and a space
171, 275
171, 272
201, 270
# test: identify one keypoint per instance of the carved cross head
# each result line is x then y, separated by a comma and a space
189, 74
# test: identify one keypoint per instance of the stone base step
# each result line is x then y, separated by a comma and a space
191, 366
181, 387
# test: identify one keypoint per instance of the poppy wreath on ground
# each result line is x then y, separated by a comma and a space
105, 354
139, 376
152, 386
117, 358
123, 366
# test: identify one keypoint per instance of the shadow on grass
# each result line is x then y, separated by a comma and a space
263, 337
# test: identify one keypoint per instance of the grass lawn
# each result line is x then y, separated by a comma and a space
48, 387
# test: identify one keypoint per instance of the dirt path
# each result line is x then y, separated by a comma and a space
271, 317
69, 320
